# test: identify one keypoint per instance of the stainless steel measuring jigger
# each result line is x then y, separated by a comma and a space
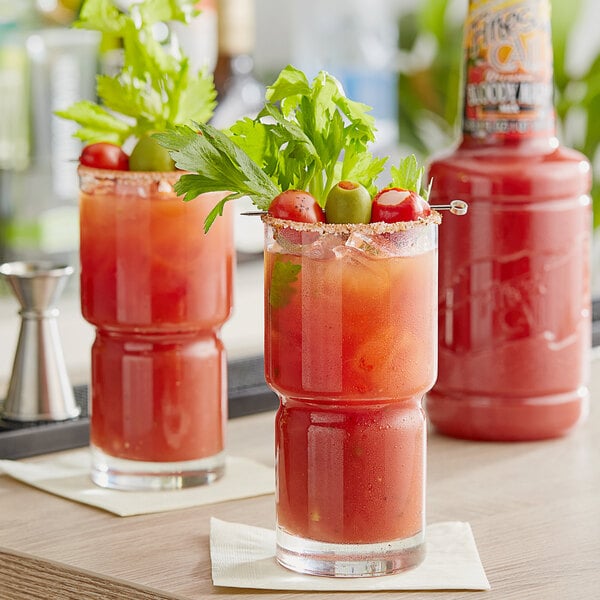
39, 387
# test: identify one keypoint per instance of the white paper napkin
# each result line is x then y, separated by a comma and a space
67, 475
243, 556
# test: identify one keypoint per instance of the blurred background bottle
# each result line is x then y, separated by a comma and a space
198, 39
57, 12
514, 281
44, 66
357, 41
240, 94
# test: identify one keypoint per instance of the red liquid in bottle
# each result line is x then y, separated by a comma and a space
514, 296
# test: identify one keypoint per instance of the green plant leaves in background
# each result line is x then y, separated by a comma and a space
564, 17
429, 82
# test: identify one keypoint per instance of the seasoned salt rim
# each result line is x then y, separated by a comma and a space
378, 227
143, 176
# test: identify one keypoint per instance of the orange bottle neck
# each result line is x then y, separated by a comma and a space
508, 96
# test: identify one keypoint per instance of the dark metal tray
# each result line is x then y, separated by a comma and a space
248, 393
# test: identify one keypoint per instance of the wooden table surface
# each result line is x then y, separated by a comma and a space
534, 509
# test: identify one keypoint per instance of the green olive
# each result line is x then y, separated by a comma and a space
348, 202
149, 155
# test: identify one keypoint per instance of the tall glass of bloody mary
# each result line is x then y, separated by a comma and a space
350, 348
157, 290
350, 319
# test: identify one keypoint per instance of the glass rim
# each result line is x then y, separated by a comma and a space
28, 269
142, 176
378, 227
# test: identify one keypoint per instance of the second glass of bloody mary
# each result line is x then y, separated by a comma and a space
350, 348
157, 290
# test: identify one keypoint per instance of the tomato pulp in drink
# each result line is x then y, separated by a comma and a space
157, 289
350, 348
514, 299
351, 472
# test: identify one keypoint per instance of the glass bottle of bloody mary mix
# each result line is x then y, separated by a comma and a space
514, 294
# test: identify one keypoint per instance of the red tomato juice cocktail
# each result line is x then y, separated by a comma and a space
157, 290
350, 347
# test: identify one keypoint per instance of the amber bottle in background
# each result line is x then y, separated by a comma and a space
514, 291
199, 37
240, 94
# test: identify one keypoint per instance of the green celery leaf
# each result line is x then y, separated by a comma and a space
289, 87
220, 165
148, 59
189, 108
154, 90
217, 211
89, 135
306, 137
156, 11
252, 137
362, 123
289, 131
408, 175
254, 180
101, 15
363, 167
190, 186
318, 126
292, 158
97, 124
123, 96
332, 141
283, 276
325, 95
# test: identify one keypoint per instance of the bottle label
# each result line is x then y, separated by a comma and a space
509, 69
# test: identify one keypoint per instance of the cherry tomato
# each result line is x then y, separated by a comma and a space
103, 155
396, 204
297, 205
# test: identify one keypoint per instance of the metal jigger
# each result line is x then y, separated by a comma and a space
39, 387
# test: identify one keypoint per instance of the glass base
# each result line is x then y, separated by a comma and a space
349, 560
136, 475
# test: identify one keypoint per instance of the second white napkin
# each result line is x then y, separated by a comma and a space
66, 474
